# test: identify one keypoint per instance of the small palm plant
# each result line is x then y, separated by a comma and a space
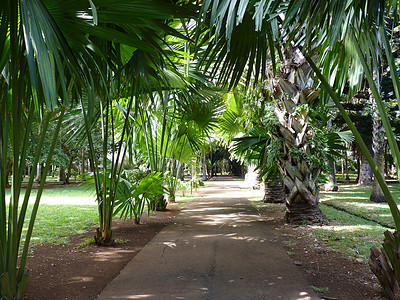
133, 197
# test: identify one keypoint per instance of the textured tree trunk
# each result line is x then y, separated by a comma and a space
301, 201
62, 176
273, 191
103, 237
365, 177
378, 146
204, 166
69, 172
296, 95
331, 185
378, 140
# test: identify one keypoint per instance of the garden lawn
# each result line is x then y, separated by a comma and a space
348, 233
355, 199
56, 222
62, 212
356, 223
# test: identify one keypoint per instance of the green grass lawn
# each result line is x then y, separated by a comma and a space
347, 233
355, 221
62, 212
355, 199
67, 211
354, 227
56, 222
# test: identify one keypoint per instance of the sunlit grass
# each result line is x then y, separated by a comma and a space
55, 223
68, 211
350, 233
355, 199
347, 233
63, 211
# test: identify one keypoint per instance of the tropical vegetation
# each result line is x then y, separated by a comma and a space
141, 85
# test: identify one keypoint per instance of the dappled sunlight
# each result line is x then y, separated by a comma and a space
215, 248
340, 197
222, 194
232, 236
202, 236
369, 205
109, 255
78, 279
206, 209
227, 219
348, 228
142, 296
304, 296
170, 244
66, 200
249, 239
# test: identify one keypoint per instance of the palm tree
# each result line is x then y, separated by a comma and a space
378, 146
322, 30
300, 189
297, 163
34, 80
46, 64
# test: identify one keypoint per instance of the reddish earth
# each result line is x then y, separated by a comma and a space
81, 270
323, 267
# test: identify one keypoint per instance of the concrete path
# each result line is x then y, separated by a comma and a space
216, 248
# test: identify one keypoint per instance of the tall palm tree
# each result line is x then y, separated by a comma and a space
39, 76
300, 190
342, 38
46, 64
293, 100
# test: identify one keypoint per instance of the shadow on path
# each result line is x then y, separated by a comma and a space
216, 248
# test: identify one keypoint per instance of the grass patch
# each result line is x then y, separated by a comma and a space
62, 212
347, 233
187, 195
289, 243
55, 223
320, 290
355, 200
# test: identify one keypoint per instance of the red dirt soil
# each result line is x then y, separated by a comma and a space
81, 270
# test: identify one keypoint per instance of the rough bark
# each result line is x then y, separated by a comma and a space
273, 191
294, 90
365, 177
62, 177
331, 185
378, 146
103, 237
384, 264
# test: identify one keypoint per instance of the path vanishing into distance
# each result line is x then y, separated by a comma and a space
218, 247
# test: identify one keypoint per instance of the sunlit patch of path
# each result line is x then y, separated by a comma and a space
217, 248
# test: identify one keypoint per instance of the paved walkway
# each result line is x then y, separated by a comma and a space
216, 248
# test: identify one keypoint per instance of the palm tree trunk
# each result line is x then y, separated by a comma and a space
298, 174
331, 185
273, 191
365, 177
378, 140
204, 166
301, 195
62, 176
378, 146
